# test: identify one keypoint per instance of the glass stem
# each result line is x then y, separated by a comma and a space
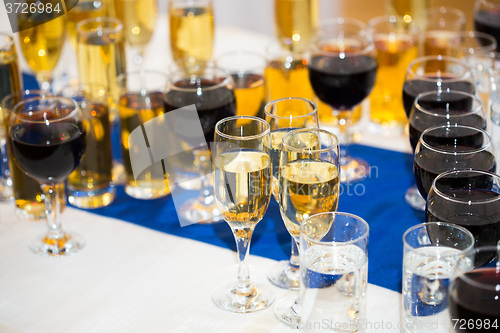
243, 237
344, 121
294, 257
203, 162
44, 79
53, 210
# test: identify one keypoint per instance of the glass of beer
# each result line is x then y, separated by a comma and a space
90, 185
441, 35
139, 20
42, 43
396, 45
141, 99
296, 22
10, 83
28, 196
191, 32
247, 70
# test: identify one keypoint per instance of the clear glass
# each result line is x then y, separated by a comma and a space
91, 185
470, 198
28, 196
445, 148
247, 70
284, 115
427, 74
487, 18
141, 100
430, 254
139, 21
309, 183
396, 43
242, 182
474, 292
48, 141
342, 71
212, 91
10, 83
334, 272
191, 33
442, 29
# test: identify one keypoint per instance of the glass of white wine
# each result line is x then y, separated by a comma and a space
309, 183
284, 115
242, 183
139, 20
191, 32
42, 43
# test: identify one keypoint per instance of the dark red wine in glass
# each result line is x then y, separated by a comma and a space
488, 21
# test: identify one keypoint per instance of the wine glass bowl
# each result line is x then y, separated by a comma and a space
486, 18
48, 141
242, 183
342, 70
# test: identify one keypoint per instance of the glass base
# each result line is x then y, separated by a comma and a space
259, 297
89, 200
196, 211
285, 276
353, 170
119, 174
286, 310
414, 199
138, 192
64, 246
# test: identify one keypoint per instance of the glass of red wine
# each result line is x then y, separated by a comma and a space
342, 70
487, 18
445, 148
431, 73
48, 141
470, 198
211, 90
474, 293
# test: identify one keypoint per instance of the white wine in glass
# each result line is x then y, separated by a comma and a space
191, 31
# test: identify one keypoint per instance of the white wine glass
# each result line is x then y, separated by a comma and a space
284, 115
309, 183
242, 184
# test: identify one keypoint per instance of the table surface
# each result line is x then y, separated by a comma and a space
142, 272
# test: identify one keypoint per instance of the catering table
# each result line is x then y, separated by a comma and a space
142, 272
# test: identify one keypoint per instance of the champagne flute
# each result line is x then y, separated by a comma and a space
42, 43
242, 182
342, 72
191, 32
284, 115
47, 143
139, 19
85, 9
309, 182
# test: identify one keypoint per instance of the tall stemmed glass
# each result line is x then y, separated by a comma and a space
42, 44
48, 141
342, 72
242, 182
284, 115
309, 183
431, 73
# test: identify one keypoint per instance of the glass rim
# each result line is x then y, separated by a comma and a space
242, 53
358, 219
316, 48
341, 20
170, 84
276, 101
118, 25
445, 10
390, 19
9, 41
479, 35
420, 60
335, 144
489, 4
266, 131
181, 3
466, 255
447, 152
275, 51
468, 202
79, 86
69, 101
24, 92
140, 72
477, 110
445, 224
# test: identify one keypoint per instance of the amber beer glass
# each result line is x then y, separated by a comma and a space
191, 31
396, 45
